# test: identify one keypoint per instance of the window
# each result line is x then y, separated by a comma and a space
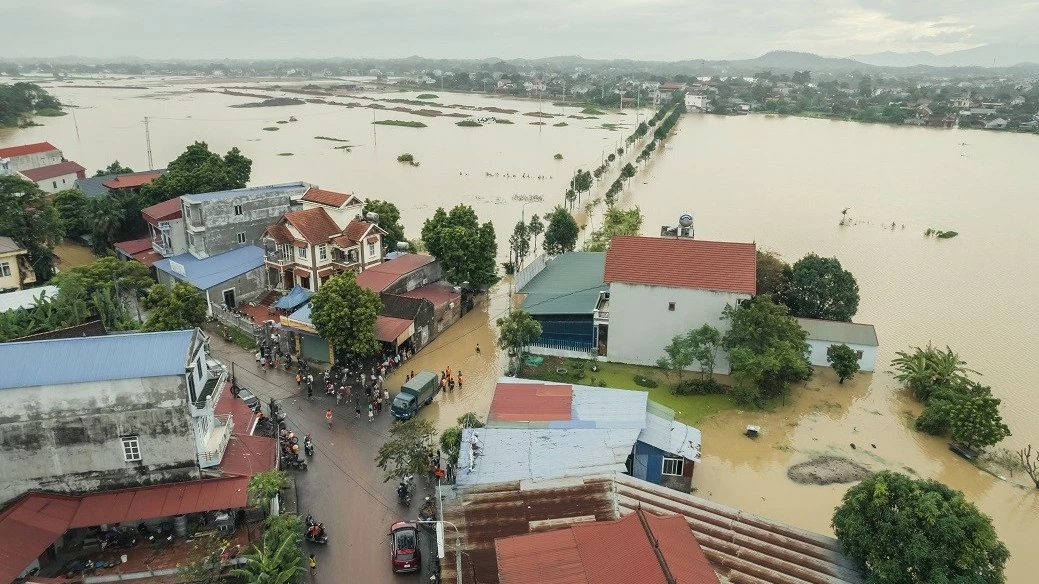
371, 250
671, 306
673, 466
237, 209
191, 240
241, 237
54, 183
131, 449
858, 354
301, 252
322, 251
740, 301
187, 212
5, 269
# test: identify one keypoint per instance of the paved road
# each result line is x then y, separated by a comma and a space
342, 488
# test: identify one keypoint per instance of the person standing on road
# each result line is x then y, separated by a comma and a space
339, 395
459, 379
386, 397
477, 348
357, 406
328, 418
299, 381
371, 413
313, 565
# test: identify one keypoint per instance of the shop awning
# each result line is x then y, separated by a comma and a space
393, 330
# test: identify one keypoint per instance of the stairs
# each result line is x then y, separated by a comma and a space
269, 298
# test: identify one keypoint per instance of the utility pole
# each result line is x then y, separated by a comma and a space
375, 136
148, 142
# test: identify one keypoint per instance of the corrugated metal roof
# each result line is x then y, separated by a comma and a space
204, 274
540, 558
530, 402
249, 455
682, 263
302, 314
22, 150
850, 333
82, 360
664, 433
388, 328
589, 407
26, 297
569, 284
610, 408
404, 264
52, 171
266, 189
29, 526
166, 210
512, 454
294, 298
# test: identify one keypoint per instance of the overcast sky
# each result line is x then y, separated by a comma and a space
637, 29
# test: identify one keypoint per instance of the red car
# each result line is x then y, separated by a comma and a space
404, 552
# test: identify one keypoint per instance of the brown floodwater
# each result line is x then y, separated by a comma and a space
781, 182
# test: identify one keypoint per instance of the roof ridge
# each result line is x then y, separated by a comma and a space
653, 543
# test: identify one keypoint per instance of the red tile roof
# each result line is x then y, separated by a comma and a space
31, 524
682, 263
531, 402
13, 151
249, 455
330, 198
315, 225
53, 171
131, 181
134, 246
606, 552
388, 328
280, 233
356, 229
164, 211
404, 264
439, 293
148, 257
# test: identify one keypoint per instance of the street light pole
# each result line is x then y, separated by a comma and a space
458, 545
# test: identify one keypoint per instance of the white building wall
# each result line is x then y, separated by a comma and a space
35, 160
58, 183
819, 348
641, 324
67, 438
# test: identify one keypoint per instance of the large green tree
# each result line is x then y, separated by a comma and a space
843, 360
907, 531
819, 287
767, 348
114, 168
389, 220
26, 217
519, 242
975, 421
105, 217
535, 228
465, 248
197, 170
562, 232
71, 205
772, 273
615, 222
344, 314
517, 330
23, 99
183, 307
408, 449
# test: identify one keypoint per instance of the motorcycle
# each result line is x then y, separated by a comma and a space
293, 462
308, 445
428, 512
118, 538
405, 490
312, 535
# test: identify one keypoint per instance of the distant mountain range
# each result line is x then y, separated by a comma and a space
996, 55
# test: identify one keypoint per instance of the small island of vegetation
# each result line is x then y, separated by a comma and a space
330, 139
408, 158
469, 124
271, 129
18, 101
405, 123
427, 96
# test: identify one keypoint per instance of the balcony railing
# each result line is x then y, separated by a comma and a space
602, 309
278, 257
161, 248
216, 442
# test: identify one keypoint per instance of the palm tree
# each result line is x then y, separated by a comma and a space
271, 565
104, 216
925, 369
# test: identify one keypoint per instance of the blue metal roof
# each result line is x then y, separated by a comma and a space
302, 315
92, 359
219, 195
204, 274
294, 298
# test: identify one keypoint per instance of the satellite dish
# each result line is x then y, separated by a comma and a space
686, 220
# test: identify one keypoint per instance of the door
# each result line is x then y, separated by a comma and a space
304, 282
229, 298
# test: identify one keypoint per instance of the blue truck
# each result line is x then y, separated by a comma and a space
418, 392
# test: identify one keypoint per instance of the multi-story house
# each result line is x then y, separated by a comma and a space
166, 227
327, 236
109, 412
14, 267
225, 220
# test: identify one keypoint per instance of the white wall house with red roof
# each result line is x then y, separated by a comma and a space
28, 156
661, 287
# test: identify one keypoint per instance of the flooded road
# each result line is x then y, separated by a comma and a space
781, 182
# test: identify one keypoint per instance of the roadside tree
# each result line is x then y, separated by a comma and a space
344, 314
562, 232
465, 248
389, 219
277, 559
581, 182
768, 349
408, 449
183, 307
516, 331
772, 273
820, 288
265, 486
451, 444
26, 217
906, 531
535, 228
844, 361
628, 171
519, 243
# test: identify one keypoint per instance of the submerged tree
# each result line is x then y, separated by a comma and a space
843, 360
561, 234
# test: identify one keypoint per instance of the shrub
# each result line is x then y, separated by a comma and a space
642, 381
406, 157
577, 374
558, 156
509, 267
602, 383
699, 387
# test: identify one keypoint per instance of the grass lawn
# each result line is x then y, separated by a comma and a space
689, 409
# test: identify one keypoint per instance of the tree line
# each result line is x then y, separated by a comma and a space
19, 100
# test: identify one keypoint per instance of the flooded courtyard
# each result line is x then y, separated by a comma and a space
781, 182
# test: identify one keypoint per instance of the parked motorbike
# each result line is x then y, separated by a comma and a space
428, 512
405, 490
314, 532
308, 445
293, 462
117, 538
